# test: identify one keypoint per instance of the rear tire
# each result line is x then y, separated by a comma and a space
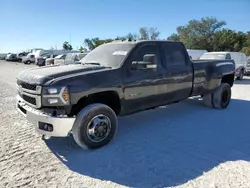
240, 77
95, 126
207, 100
220, 98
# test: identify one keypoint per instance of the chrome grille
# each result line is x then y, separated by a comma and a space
30, 93
29, 99
28, 86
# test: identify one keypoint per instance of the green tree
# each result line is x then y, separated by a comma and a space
246, 50
81, 49
94, 42
228, 40
174, 37
148, 33
67, 46
198, 34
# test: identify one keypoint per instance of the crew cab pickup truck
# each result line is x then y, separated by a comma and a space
116, 79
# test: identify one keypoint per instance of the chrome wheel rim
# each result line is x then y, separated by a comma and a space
98, 128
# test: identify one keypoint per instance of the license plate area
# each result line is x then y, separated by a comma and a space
22, 109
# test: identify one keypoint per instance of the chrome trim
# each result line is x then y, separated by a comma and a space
37, 98
37, 91
31, 93
62, 125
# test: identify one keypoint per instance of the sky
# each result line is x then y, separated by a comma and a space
27, 24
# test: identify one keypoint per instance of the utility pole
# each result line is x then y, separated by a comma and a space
70, 38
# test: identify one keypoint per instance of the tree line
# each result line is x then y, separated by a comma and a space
207, 34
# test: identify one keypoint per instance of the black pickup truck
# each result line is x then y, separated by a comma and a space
115, 79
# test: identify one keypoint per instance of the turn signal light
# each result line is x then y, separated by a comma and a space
65, 95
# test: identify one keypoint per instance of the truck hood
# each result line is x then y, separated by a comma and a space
40, 75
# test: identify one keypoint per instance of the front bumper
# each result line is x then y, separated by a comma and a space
61, 125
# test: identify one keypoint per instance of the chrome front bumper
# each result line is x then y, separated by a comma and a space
61, 125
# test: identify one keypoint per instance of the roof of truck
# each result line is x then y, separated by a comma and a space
141, 41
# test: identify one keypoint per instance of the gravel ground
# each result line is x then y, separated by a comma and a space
182, 145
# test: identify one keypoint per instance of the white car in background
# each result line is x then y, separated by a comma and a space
29, 58
59, 59
239, 58
248, 66
195, 54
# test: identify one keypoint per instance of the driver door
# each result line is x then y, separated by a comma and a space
143, 86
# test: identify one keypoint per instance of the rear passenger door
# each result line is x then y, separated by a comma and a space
179, 71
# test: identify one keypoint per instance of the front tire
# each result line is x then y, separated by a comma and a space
220, 98
95, 126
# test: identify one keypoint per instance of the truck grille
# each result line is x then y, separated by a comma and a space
28, 86
30, 93
29, 99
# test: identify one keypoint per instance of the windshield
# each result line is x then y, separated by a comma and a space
212, 56
108, 55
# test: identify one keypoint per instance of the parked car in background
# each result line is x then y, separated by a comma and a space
41, 55
72, 58
42, 60
195, 54
3, 56
59, 59
248, 66
21, 55
30, 58
239, 58
11, 57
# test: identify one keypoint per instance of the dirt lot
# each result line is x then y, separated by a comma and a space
182, 145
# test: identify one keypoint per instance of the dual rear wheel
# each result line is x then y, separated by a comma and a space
220, 98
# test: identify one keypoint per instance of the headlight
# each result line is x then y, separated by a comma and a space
55, 95
52, 91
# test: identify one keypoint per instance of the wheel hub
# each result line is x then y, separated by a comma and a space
98, 128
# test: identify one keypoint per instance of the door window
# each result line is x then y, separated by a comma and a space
149, 49
174, 54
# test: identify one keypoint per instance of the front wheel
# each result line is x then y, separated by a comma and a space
220, 98
95, 126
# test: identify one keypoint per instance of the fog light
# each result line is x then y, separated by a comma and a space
52, 101
45, 126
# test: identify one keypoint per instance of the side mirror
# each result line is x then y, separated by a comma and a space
149, 62
150, 59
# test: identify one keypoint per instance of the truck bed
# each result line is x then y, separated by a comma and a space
208, 74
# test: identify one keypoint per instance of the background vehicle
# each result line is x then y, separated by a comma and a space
30, 58
43, 58
116, 79
72, 58
41, 55
21, 55
248, 66
11, 57
3, 56
239, 58
195, 54
59, 59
